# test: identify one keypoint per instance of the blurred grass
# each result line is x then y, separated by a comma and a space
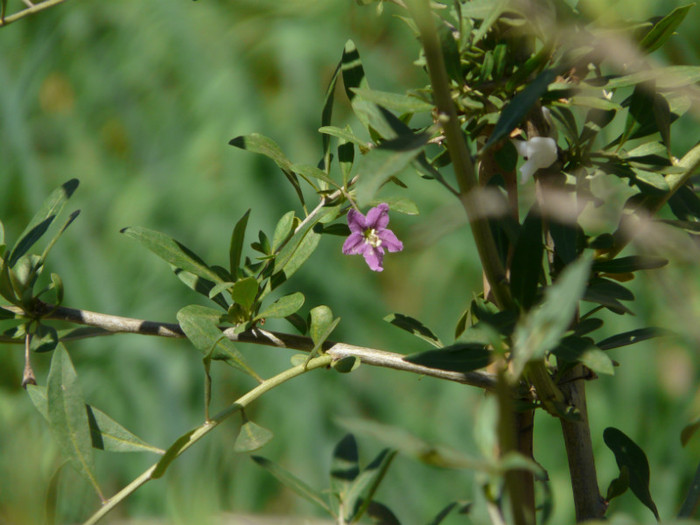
138, 100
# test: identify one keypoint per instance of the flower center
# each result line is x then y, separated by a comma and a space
372, 238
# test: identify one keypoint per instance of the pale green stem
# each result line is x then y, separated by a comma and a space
203, 430
29, 11
459, 154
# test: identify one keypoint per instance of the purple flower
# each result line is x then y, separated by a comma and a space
369, 236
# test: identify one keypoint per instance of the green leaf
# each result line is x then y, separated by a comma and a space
631, 337
398, 205
236, 246
602, 104
172, 252
244, 292
283, 307
201, 285
345, 468
173, 452
321, 325
106, 433
463, 509
251, 437
496, 8
629, 264
519, 106
382, 162
415, 327
607, 293
361, 494
283, 230
301, 246
257, 143
68, 418
381, 514
346, 364
527, 260
542, 328
353, 72
44, 339
619, 485
629, 455
578, 349
690, 504
326, 115
670, 77
292, 482
346, 157
344, 134
460, 357
450, 53
394, 101
663, 29
42, 220
200, 325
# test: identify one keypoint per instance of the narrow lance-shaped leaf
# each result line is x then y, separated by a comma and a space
345, 467
365, 486
394, 101
543, 327
629, 455
692, 499
663, 29
236, 246
68, 418
459, 357
292, 482
415, 327
42, 220
283, 306
257, 143
172, 252
106, 433
282, 230
527, 260
353, 72
513, 114
326, 115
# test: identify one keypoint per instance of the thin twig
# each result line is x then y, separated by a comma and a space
113, 324
28, 377
33, 8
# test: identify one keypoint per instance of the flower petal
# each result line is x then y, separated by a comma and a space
354, 244
356, 221
543, 151
378, 217
374, 258
527, 170
390, 241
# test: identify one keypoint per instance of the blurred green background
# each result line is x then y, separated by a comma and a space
138, 99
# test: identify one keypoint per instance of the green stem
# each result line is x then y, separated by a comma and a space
156, 470
6, 20
519, 484
459, 154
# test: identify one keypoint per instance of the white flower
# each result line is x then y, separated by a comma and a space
539, 152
